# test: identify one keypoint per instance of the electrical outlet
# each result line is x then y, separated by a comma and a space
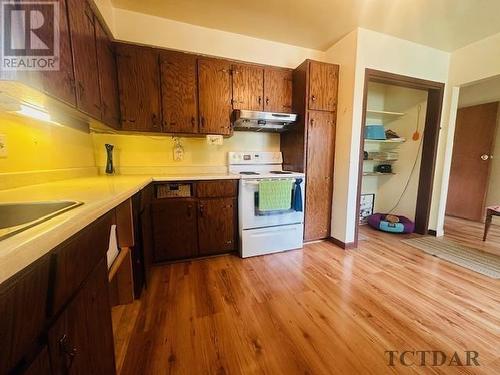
3, 146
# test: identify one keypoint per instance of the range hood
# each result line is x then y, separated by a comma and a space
263, 121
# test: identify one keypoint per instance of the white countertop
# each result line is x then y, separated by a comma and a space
99, 194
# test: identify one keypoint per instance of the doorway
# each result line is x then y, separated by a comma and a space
475, 167
423, 102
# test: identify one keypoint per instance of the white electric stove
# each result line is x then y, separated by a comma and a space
271, 232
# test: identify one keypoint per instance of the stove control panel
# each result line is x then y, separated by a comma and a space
255, 158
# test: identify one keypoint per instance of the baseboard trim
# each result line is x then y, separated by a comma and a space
343, 245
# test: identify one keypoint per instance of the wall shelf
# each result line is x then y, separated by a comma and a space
382, 115
386, 141
376, 174
382, 160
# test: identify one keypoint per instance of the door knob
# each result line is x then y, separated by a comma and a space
485, 157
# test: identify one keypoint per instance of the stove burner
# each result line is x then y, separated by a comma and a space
280, 172
249, 173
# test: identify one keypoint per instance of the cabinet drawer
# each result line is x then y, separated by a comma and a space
74, 260
217, 189
23, 301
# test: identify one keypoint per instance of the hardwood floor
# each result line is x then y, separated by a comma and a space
470, 233
320, 310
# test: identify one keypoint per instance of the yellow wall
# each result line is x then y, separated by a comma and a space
34, 146
135, 152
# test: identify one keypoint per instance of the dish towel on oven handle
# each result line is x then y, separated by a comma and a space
297, 196
275, 195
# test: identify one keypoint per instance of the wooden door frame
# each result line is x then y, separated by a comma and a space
432, 127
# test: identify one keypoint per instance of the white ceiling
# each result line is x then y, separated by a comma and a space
317, 24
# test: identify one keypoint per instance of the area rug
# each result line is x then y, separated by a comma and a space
467, 257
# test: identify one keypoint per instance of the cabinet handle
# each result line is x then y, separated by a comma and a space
202, 121
201, 210
193, 121
313, 98
259, 100
154, 120
68, 350
267, 100
312, 122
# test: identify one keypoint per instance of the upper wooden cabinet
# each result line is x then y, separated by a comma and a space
323, 81
277, 90
81, 21
179, 92
108, 79
61, 83
214, 90
139, 87
248, 87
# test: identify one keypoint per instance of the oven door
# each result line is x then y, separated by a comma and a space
250, 218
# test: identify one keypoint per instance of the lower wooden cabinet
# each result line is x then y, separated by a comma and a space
81, 340
56, 315
174, 229
216, 225
200, 225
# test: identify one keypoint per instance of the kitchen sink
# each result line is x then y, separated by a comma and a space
16, 217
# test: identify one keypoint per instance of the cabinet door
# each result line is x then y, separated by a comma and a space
174, 229
40, 365
322, 86
23, 312
278, 90
81, 340
248, 87
179, 92
61, 83
214, 86
139, 87
216, 225
108, 79
320, 156
81, 21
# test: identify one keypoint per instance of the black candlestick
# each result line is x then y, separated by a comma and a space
109, 163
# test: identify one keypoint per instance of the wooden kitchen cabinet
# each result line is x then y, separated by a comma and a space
248, 87
323, 82
83, 43
139, 88
215, 94
174, 229
40, 365
60, 84
309, 147
179, 92
81, 340
277, 90
319, 181
23, 307
108, 79
217, 225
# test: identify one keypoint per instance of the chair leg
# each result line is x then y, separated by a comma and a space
487, 224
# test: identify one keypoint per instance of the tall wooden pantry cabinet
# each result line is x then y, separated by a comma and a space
310, 146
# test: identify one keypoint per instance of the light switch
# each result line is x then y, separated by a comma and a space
3, 146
